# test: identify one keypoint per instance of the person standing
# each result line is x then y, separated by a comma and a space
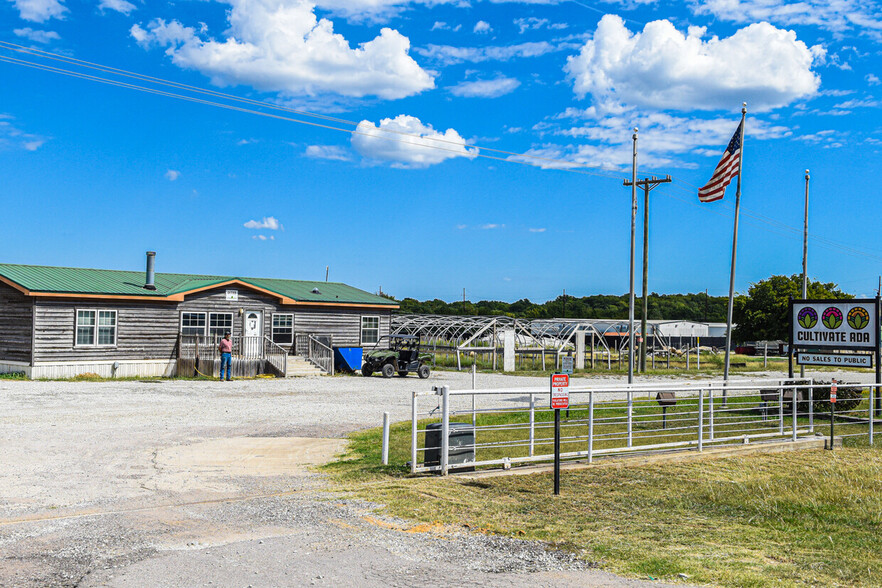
226, 350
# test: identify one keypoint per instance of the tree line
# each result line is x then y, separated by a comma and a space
696, 307
760, 314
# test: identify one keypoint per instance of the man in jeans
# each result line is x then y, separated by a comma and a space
226, 350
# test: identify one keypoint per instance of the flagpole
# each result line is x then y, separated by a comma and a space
805, 253
633, 230
734, 251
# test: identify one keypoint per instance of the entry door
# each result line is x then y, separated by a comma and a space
253, 333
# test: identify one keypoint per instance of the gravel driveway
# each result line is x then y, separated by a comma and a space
181, 483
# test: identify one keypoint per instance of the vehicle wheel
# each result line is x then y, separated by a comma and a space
366, 372
388, 370
423, 372
403, 374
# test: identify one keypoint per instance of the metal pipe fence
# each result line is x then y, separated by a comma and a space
514, 425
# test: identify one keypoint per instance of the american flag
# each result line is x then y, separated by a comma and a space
727, 169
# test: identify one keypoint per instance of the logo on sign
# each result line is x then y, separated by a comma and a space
833, 392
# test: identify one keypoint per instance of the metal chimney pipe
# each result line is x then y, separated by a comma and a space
151, 276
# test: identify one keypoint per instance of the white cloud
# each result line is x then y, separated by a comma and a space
482, 27
872, 79
461, 227
532, 24
443, 26
40, 10
286, 48
832, 15
485, 88
267, 222
662, 68
11, 137
491, 226
604, 140
172, 175
332, 152
37, 36
450, 55
541, 230
264, 237
117, 5
407, 142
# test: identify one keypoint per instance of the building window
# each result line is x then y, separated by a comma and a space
96, 327
192, 323
370, 329
283, 328
220, 323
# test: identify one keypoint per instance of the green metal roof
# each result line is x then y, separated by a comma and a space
69, 280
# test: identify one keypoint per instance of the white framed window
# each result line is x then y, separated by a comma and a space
95, 328
192, 323
220, 323
283, 328
370, 330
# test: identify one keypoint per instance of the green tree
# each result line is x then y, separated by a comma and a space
762, 314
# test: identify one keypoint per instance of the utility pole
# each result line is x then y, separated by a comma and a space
647, 184
565, 303
631, 296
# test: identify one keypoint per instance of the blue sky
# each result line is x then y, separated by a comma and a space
491, 140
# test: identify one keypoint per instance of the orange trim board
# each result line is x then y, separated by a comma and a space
179, 297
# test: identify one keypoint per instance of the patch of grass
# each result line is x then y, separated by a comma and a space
13, 376
792, 519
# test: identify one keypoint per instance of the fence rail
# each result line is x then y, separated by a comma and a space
515, 425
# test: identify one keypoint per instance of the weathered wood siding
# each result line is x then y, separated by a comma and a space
342, 325
16, 325
145, 330
216, 301
149, 330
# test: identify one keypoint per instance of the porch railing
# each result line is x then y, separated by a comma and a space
321, 355
199, 355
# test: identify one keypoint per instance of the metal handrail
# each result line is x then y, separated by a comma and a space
321, 355
276, 355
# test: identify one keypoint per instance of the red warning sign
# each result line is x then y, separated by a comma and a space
833, 392
560, 391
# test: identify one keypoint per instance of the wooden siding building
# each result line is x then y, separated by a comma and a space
60, 322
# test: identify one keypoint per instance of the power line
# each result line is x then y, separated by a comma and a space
376, 132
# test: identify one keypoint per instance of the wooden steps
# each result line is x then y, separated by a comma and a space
298, 366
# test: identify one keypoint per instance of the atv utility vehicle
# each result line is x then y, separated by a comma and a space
402, 357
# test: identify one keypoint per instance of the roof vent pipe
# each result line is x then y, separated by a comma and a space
151, 276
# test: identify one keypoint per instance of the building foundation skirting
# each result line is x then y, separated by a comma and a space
68, 369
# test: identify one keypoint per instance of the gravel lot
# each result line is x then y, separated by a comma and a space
179, 483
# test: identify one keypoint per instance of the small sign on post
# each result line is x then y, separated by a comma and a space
560, 391
567, 363
560, 398
832, 411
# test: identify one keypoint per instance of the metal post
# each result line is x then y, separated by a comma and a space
832, 419
445, 429
631, 298
766, 355
413, 433
532, 423
646, 189
630, 417
385, 438
805, 254
780, 411
556, 451
710, 400
795, 397
474, 412
811, 395
590, 427
701, 420
734, 251
870, 411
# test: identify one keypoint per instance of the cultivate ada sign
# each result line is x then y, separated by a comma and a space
834, 324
